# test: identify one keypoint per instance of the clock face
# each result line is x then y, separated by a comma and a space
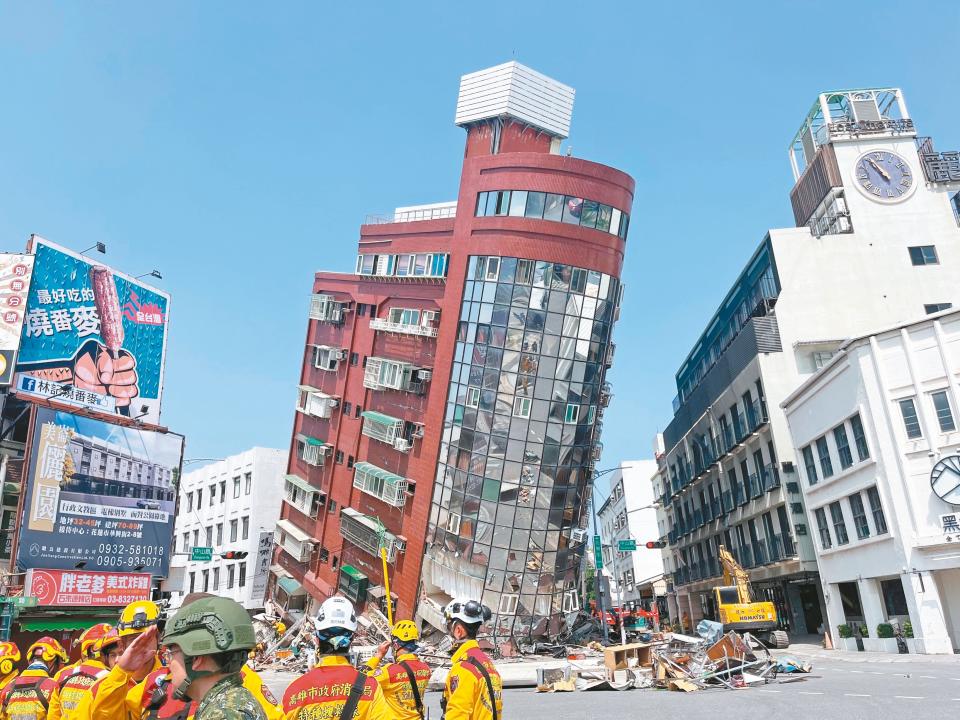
883, 176
945, 479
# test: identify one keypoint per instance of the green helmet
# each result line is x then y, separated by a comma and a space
210, 625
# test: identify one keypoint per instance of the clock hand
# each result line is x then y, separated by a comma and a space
879, 169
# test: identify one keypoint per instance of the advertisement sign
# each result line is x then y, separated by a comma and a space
261, 570
15, 272
54, 588
98, 494
93, 329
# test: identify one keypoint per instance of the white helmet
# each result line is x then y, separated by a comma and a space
468, 611
336, 613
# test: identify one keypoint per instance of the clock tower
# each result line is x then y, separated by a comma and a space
858, 163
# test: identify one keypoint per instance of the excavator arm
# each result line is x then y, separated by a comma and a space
735, 575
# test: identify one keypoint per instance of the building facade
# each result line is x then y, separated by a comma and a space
228, 505
875, 244
629, 513
452, 386
876, 431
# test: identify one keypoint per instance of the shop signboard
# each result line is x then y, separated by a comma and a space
15, 272
261, 570
92, 336
59, 588
99, 494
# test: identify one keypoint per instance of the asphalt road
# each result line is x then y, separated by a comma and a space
835, 689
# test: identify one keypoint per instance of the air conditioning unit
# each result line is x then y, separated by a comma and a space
424, 375
401, 444
787, 466
431, 315
793, 487
418, 430
334, 402
796, 508
342, 354
801, 529
401, 544
578, 535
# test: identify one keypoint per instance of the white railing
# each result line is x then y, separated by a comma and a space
387, 326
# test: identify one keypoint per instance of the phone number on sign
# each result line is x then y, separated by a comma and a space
120, 555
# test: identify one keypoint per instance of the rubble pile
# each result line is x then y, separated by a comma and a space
733, 661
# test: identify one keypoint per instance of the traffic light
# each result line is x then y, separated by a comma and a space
234, 555
655, 544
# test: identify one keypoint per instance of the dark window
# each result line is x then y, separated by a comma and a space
859, 516
354, 358
843, 447
923, 255
234, 526
347, 409
839, 526
930, 308
944, 415
811, 466
243, 575
357, 411
553, 207
824, 529
534, 208
823, 452
349, 461
894, 600
361, 312
338, 457
879, 521
910, 421
859, 438
244, 528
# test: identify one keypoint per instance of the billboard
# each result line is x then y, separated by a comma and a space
261, 570
98, 494
15, 272
92, 336
54, 588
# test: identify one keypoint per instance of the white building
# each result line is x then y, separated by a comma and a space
877, 434
629, 514
876, 244
229, 505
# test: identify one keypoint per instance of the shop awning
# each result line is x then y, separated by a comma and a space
300, 483
379, 473
293, 531
57, 624
290, 586
311, 440
379, 417
279, 571
352, 572
370, 522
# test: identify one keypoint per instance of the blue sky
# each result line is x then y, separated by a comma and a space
236, 147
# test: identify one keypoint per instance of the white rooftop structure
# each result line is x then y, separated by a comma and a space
515, 91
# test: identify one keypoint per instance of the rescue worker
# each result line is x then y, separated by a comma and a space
474, 689
205, 646
75, 680
28, 697
404, 681
335, 689
9, 657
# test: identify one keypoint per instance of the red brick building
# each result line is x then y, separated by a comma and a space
452, 386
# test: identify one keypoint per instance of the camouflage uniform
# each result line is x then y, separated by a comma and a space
229, 700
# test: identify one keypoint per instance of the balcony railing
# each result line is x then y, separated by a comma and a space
385, 325
755, 488
368, 534
727, 501
833, 224
770, 477
380, 483
756, 415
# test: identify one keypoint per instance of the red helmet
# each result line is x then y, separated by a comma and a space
90, 637
48, 650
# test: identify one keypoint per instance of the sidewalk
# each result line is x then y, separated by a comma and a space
811, 650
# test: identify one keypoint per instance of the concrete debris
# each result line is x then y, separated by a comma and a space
687, 664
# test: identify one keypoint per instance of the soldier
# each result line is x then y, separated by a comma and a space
404, 681
335, 689
9, 657
205, 646
28, 697
75, 680
474, 689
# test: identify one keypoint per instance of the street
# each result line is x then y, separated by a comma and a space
851, 689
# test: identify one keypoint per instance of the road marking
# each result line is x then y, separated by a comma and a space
928, 677
874, 672
810, 693
770, 691
860, 672
855, 695
909, 697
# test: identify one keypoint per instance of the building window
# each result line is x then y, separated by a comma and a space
193, 579
347, 409
186, 542
572, 414
473, 397
931, 308
910, 421
349, 461
879, 521
248, 483
236, 487
338, 457
823, 452
839, 526
189, 502
245, 528
199, 499
493, 269
219, 533
357, 411
213, 495
521, 407
354, 359
223, 491
923, 255
524, 271
955, 204
216, 579
243, 575
944, 415
230, 574
824, 529
859, 438
208, 534
233, 530
859, 516
843, 447
812, 478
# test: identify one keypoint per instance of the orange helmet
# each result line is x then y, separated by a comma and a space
48, 650
9, 657
108, 640
90, 637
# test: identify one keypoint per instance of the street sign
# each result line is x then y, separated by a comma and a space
203, 554
28, 601
597, 552
626, 545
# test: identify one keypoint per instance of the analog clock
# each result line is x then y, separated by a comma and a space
945, 479
883, 176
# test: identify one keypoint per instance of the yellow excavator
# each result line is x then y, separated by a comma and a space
739, 612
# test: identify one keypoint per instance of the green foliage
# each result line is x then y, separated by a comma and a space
884, 630
844, 630
908, 629
863, 631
